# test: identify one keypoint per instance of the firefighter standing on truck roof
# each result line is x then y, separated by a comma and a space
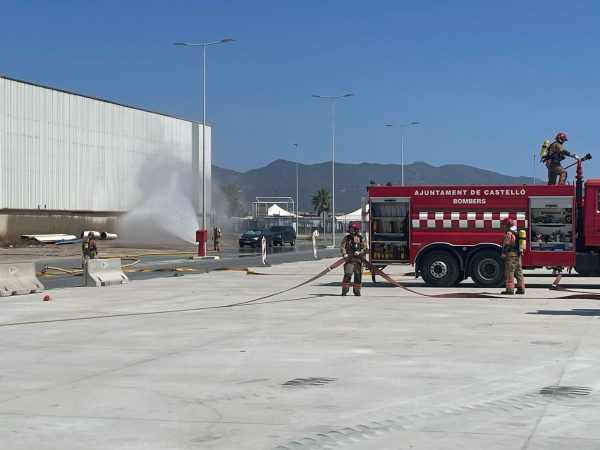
511, 255
555, 154
352, 247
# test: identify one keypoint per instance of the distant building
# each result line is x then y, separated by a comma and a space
70, 162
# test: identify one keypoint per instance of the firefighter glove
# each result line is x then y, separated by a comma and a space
357, 253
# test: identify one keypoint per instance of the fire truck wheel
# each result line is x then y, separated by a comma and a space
486, 269
587, 272
440, 269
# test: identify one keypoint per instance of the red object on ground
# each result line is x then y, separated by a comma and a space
47, 298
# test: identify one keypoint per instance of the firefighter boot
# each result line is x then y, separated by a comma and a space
357, 292
520, 290
563, 178
345, 291
508, 292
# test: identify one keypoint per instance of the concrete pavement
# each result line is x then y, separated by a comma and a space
167, 364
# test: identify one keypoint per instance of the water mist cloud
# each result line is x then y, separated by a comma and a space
166, 213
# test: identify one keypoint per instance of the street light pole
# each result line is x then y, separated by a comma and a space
204, 139
402, 144
204, 45
333, 98
297, 206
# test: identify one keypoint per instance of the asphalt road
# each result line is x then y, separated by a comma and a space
165, 265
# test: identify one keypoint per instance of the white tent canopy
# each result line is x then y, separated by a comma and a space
354, 215
275, 210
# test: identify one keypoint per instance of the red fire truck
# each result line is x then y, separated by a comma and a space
450, 233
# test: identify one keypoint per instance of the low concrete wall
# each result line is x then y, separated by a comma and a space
103, 272
15, 223
19, 279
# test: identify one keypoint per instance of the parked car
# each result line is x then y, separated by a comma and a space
283, 234
253, 237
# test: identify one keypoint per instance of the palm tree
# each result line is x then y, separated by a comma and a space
321, 202
233, 196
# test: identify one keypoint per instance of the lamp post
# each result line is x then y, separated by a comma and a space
204, 45
297, 206
402, 143
333, 98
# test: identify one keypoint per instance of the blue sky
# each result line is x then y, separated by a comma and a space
489, 81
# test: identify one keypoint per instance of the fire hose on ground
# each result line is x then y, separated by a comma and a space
374, 270
339, 262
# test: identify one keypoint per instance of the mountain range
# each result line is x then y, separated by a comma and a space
278, 179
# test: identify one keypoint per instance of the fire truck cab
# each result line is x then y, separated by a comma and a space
450, 233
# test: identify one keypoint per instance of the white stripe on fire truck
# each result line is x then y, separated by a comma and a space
423, 215
447, 219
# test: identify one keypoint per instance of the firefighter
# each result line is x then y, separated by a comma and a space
216, 239
555, 154
512, 259
89, 248
353, 246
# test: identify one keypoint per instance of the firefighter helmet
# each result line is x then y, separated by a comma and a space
355, 225
561, 137
507, 221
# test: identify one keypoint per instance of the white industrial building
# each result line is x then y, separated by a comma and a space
70, 162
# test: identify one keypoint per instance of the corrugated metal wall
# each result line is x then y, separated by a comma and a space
61, 151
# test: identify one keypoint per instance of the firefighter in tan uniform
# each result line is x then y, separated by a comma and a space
89, 248
216, 239
512, 259
555, 154
352, 247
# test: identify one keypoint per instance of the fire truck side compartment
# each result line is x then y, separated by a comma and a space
464, 223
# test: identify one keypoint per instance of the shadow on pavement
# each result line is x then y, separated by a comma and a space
572, 312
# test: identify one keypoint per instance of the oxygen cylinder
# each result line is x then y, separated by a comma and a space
522, 240
544, 150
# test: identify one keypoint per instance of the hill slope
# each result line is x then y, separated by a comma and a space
278, 179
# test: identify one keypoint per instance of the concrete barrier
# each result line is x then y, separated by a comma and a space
103, 272
18, 279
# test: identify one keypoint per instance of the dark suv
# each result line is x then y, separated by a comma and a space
283, 234
253, 238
